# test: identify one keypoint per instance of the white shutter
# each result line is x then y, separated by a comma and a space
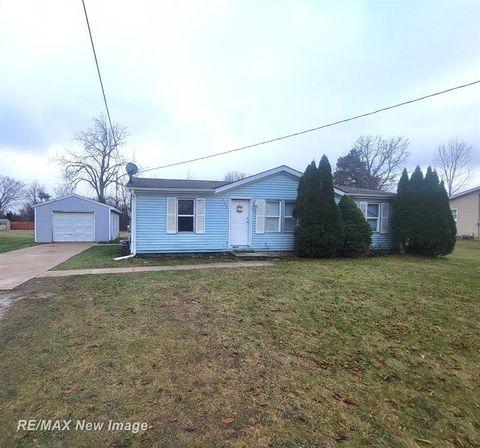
171, 215
200, 216
384, 217
260, 213
363, 208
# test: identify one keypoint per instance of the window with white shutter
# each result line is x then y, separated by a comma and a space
200, 216
260, 216
171, 215
185, 215
385, 217
371, 211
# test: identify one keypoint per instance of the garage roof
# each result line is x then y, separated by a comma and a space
113, 209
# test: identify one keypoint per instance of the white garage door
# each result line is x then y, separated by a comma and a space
69, 226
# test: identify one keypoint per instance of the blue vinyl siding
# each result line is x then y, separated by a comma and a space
151, 219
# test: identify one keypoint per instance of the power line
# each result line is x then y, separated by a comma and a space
264, 142
98, 71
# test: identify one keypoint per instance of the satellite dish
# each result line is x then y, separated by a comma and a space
131, 169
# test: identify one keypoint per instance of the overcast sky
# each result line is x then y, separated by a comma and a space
190, 78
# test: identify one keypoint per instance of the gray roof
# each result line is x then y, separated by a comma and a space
472, 190
175, 184
192, 184
359, 191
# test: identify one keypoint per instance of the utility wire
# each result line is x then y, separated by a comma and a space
312, 129
99, 74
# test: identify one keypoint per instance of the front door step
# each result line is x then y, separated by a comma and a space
260, 255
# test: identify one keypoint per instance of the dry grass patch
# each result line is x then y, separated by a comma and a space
376, 352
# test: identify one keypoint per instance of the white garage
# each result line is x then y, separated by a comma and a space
74, 218
73, 226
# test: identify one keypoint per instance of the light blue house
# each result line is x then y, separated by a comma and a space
252, 214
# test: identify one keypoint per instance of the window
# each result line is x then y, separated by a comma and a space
185, 215
272, 216
373, 215
455, 213
289, 222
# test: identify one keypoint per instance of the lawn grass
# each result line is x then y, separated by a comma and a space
121, 236
102, 256
378, 352
15, 239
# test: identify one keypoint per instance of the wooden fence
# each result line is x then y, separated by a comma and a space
22, 225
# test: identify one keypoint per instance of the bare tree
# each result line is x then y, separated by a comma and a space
454, 163
63, 189
233, 176
384, 158
12, 192
34, 194
101, 160
121, 201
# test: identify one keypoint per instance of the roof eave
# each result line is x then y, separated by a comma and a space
463, 193
113, 209
172, 190
372, 195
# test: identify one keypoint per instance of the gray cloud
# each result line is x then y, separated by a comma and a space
191, 78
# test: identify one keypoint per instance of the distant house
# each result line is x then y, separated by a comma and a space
251, 214
465, 208
74, 218
4, 224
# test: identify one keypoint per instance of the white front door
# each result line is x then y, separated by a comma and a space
73, 226
239, 222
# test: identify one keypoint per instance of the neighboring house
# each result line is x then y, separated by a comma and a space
252, 214
75, 218
465, 208
4, 224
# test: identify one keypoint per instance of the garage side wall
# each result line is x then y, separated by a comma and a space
114, 225
44, 213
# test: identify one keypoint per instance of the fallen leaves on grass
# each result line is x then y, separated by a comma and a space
346, 400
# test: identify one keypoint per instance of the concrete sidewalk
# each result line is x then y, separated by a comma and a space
182, 267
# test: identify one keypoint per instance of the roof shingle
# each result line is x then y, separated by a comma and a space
175, 184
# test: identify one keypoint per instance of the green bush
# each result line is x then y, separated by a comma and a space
320, 229
357, 232
422, 219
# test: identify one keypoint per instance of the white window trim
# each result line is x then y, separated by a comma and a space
377, 230
187, 216
279, 216
456, 213
285, 216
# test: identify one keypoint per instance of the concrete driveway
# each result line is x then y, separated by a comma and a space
18, 266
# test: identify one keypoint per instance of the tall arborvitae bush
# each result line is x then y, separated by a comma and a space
439, 230
422, 219
400, 216
415, 210
320, 229
357, 231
